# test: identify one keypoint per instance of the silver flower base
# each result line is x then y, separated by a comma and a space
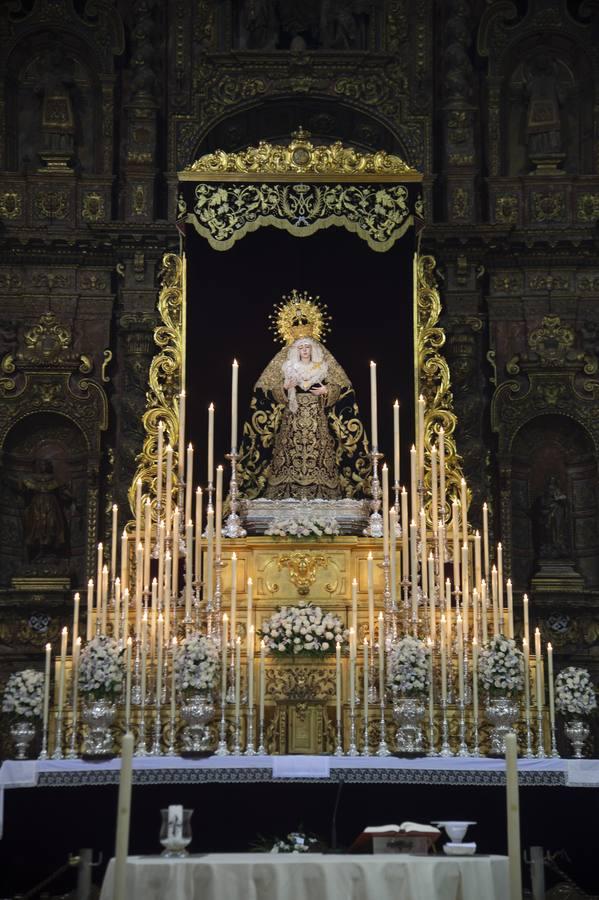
22, 733
197, 710
259, 515
408, 714
502, 714
577, 732
98, 716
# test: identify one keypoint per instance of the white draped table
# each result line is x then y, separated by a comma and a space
265, 876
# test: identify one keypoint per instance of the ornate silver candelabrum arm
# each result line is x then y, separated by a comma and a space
233, 527
375, 522
222, 749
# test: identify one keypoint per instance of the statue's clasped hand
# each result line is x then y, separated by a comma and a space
321, 391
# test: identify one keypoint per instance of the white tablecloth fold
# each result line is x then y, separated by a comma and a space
257, 876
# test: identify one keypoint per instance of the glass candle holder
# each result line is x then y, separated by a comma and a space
175, 831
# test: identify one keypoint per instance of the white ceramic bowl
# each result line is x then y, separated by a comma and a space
455, 830
459, 849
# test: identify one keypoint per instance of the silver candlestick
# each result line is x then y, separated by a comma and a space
155, 751
529, 752
58, 740
170, 750
44, 750
431, 734
540, 737
141, 749
236, 751
352, 749
222, 749
463, 748
261, 749
233, 527
365, 748
375, 523
383, 749
249, 744
554, 751
445, 750
339, 747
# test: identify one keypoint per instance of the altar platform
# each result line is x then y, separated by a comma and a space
62, 805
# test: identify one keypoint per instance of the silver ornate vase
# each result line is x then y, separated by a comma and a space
98, 715
502, 713
408, 713
22, 732
577, 731
197, 710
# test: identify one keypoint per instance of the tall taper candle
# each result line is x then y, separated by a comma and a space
510, 609
385, 472
338, 681
223, 659
513, 815
443, 659
352, 670
551, 687
124, 560
366, 690
250, 604
104, 598
494, 601
209, 577
475, 679
137, 511
233, 595
117, 610
175, 557
393, 555
431, 597
90, 610
46, 701
464, 507
413, 483
460, 660
99, 585
420, 436
211, 443
434, 492
147, 544
442, 497
76, 601
188, 567
486, 540
526, 652
414, 568
250, 661
237, 676
396, 459
139, 587
500, 579
370, 569
63, 664
218, 519
128, 682
173, 681
159, 463
539, 672
373, 408
159, 658
423, 569
123, 818
262, 679
181, 443
477, 562
405, 532
354, 606
168, 489
465, 591
144, 658
198, 536
525, 614
381, 657
114, 539
234, 383
189, 483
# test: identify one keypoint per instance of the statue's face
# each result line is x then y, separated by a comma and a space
305, 352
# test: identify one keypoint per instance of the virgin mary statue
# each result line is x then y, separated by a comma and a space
304, 439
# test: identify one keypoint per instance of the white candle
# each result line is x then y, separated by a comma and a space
137, 511
477, 562
338, 681
181, 443
405, 532
209, 553
500, 579
483, 608
352, 670
443, 659
159, 461
526, 623
393, 556
250, 602
366, 691
167, 597
396, 460
219, 511
124, 560
175, 560
460, 662
123, 818
431, 685
434, 496
381, 658
173, 681
237, 675
465, 591
250, 656
46, 702
144, 658
168, 488
189, 483
262, 681
223, 660
442, 497
114, 538
423, 538
431, 597
234, 383
154, 615
211, 443
99, 586
526, 652
510, 609
198, 537
76, 601
90, 610
354, 606
539, 672
371, 596
486, 540
456, 543
464, 505
75, 683
63, 663
420, 440
159, 653
414, 569
373, 407
104, 598
117, 609
413, 483
139, 588
161, 546
494, 601
147, 544
513, 815
188, 568
551, 686
475, 679
233, 595
128, 682
385, 511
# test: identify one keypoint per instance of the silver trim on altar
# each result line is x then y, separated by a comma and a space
261, 516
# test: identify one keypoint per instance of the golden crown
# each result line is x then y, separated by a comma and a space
299, 315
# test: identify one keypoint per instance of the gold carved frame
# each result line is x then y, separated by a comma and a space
298, 161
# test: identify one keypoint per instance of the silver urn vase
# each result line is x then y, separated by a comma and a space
408, 713
577, 732
197, 710
502, 713
98, 715
22, 732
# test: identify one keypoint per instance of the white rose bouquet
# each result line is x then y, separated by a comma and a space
407, 668
304, 628
501, 666
23, 694
101, 668
197, 663
300, 524
574, 692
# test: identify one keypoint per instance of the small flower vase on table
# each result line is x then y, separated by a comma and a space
196, 673
501, 674
100, 683
23, 702
408, 677
575, 700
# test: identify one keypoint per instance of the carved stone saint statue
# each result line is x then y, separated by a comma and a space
543, 117
45, 526
551, 522
304, 439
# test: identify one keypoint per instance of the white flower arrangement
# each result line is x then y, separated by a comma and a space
304, 628
295, 842
407, 666
197, 663
302, 524
101, 667
574, 692
501, 666
23, 694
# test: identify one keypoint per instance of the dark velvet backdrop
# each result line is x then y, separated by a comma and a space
231, 293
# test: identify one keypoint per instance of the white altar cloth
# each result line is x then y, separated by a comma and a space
264, 876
